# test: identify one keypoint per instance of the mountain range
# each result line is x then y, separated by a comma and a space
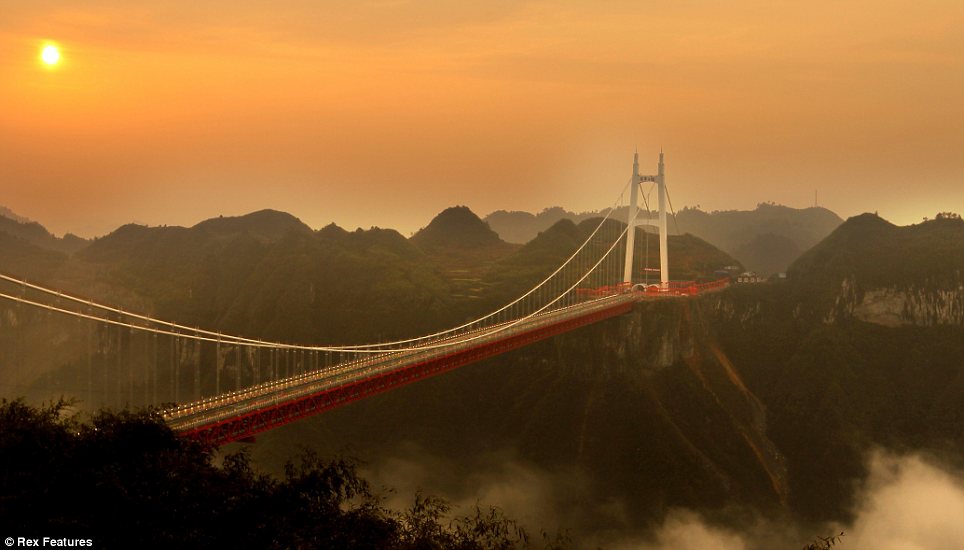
268, 275
766, 239
760, 400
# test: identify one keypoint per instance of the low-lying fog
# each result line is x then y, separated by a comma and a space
907, 502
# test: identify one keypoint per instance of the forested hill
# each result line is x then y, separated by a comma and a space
464, 250
37, 235
269, 275
766, 239
456, 227
879, 272
879, 253
31, 250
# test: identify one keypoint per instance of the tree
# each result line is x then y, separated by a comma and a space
824, 543
125, 480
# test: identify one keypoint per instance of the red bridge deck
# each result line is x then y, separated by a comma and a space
254, 411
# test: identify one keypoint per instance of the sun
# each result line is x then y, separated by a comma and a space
50, 55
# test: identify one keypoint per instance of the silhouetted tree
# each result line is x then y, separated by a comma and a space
126, 480
824, 543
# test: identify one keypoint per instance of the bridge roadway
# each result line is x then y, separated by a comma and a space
242, 414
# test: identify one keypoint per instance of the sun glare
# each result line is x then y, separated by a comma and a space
50, 55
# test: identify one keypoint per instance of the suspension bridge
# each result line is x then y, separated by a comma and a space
221, 388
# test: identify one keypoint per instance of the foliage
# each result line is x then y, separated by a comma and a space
126, 481
824, 543
456, 226
268, 275
877, 254
25, 259
37, 235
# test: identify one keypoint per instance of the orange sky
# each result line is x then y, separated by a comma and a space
383, 113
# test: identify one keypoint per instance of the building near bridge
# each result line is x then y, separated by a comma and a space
750, 277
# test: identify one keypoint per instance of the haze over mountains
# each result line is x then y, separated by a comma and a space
761, 400
37, 234
765, 240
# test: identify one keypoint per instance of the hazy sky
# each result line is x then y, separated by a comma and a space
383, 113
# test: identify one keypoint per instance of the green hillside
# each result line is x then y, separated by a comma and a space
464, 249
268, 275
36, 234
879, 253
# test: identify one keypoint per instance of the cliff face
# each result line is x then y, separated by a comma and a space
675, 338
882, 368
893, 306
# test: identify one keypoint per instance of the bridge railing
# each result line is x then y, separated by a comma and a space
685, 288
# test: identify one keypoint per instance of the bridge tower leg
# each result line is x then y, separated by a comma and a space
663, 247
631, 221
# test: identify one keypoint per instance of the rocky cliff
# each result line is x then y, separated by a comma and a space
873, 271
893, 306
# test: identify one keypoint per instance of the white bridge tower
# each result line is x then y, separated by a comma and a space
633, 222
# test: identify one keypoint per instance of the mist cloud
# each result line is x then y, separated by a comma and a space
685, 530
909, 501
